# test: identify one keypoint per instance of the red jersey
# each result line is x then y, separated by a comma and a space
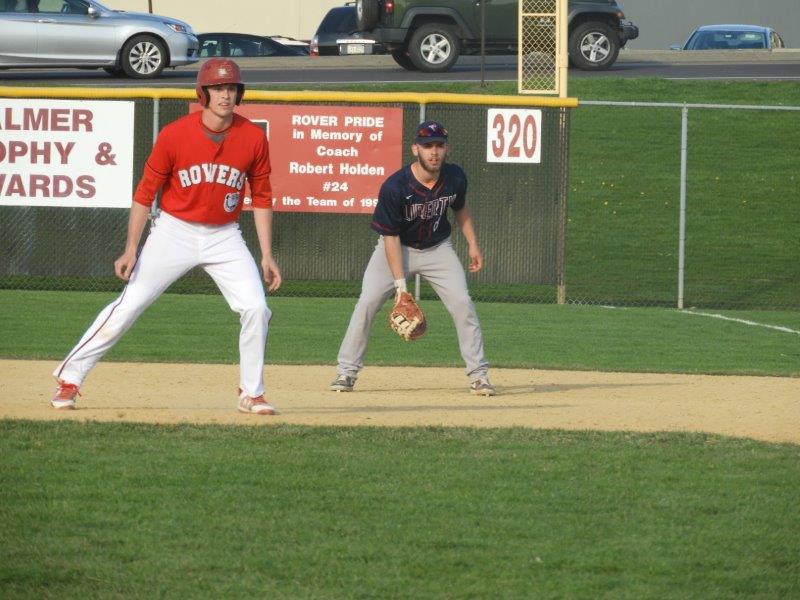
203, 181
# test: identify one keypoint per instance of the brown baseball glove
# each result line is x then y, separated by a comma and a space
407, 318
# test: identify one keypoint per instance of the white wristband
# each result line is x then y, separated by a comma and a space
400, 284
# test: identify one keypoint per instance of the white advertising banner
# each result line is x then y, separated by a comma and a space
514, 135
68, 153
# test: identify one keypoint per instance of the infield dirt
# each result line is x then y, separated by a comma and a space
762, 408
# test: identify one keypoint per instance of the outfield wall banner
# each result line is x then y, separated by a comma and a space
66, 153
325, 158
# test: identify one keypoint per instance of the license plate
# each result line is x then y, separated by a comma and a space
354, 49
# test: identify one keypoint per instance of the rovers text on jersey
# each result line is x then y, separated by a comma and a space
202, 181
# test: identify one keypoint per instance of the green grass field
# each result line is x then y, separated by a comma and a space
201, 328
642, 89
91, 510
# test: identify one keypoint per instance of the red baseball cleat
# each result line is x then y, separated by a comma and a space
255, 406
65, 396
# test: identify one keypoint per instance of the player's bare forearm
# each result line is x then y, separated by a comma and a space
394, 256
464, 220
137, 219
262, 217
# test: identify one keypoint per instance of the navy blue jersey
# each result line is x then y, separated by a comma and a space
418, 215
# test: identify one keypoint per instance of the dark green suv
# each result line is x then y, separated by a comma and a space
430, 35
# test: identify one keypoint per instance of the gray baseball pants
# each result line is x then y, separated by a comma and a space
441, 267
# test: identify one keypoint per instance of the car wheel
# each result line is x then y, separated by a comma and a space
366, 14
143, 56
593, 46
113, 71
401, 58
434, 48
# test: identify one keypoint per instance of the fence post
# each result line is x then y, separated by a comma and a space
561, 50
417, 279
156, 123
561, 234
682, 220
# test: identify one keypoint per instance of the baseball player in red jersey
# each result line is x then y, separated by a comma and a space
199, 162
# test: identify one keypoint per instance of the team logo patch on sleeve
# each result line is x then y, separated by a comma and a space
231, 201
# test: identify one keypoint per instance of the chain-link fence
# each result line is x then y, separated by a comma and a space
69, 248
742, 206
542, 47
518, 208
742, 215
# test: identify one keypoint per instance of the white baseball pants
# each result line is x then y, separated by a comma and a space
441, 267
173, 248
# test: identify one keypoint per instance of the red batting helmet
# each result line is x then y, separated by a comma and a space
218, 71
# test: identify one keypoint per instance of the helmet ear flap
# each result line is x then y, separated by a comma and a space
204, 97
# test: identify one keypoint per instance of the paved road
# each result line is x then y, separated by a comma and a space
745, 65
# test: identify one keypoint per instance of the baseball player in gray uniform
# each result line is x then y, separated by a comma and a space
411, 218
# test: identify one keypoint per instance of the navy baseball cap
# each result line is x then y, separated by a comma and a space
429, 132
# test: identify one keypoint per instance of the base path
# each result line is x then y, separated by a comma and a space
763, 408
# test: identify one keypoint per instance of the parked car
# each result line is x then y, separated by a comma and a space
86, 34
243, 45
732, 37
429, 35
338, 34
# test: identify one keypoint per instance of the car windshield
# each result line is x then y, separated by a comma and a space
229, 44
726, 40
343, 21
69, 7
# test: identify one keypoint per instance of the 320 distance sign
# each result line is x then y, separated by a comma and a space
514, 135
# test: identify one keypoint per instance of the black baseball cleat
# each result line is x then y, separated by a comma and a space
342, 383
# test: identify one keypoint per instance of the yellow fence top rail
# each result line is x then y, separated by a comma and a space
289, 96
